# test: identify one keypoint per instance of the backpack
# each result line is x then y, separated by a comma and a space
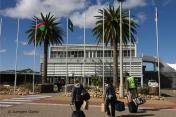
85, 95
111, 94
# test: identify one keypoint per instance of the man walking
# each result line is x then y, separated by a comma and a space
131, 87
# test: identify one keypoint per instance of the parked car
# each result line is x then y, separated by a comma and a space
152, 83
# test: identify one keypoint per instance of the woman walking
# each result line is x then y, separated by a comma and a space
110, 99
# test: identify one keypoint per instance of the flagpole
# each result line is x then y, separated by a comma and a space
84, 47
157, 39
103, 54
0, 27
130, 36
0, 30
121, 53
0, 35
66, 82
33, 80
16, 57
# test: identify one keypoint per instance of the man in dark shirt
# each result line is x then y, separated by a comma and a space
110, 99
76, 95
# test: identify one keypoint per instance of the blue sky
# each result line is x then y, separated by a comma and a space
143, 10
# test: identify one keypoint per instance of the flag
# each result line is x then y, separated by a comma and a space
70, 25
40, 26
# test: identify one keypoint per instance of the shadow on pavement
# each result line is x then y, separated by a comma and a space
166, 95
142, 112
143, 115
154, 109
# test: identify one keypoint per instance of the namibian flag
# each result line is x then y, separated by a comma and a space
40, 26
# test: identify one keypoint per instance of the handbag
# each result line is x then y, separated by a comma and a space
119, 106
139, 100
85, 95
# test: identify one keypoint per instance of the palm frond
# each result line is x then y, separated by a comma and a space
53, 33
112, 29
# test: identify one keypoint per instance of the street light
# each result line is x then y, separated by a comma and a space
121, 55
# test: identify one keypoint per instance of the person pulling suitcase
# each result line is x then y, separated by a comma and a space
77, 113
131, 87
77, 99
110, 99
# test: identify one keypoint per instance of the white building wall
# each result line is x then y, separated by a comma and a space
93, 64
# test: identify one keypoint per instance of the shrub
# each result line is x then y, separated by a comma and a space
143, 90
45, 88
97, 81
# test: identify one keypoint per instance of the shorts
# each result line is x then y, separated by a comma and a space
132, 94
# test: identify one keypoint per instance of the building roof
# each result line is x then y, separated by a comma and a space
23, 71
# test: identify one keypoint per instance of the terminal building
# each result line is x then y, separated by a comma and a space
86, 62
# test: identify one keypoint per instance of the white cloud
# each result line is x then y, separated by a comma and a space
141, 17
29, 8
63, 8
3, 51
166, 2
30, 53
78, 17
23, 43
132, 3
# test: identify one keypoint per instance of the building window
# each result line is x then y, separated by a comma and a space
125, 53
107, 53
87, 54
80, 54
99, 53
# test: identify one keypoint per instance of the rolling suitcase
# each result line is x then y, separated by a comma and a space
132, 107
78, 114
119, 106
75, 113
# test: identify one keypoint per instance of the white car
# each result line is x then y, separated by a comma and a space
152, 83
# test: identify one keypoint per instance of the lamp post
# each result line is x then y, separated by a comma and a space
121, 53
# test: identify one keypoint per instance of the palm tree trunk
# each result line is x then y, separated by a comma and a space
45, 61
115, 76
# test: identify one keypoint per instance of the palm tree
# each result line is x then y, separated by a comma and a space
112, 32
52, 34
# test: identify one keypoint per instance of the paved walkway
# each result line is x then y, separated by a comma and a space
64, 110
59, 99
20, 100
97, 102
54, 105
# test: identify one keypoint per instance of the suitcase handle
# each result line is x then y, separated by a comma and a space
71, 107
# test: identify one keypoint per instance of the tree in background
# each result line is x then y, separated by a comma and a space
46, 31
112, 32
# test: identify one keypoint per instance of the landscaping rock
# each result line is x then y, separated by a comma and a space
9, 90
